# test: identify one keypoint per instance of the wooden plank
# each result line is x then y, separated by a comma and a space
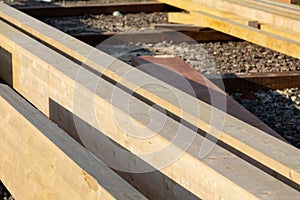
274, 6
210, 177
251, 142
279, 15
273, 29
40, 161
250, 34
166, 69
48, 81
292, 35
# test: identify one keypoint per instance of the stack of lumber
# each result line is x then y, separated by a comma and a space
87, 93
271, 24
41, 161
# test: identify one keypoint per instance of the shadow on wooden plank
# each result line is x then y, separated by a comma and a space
6, 71
144, 182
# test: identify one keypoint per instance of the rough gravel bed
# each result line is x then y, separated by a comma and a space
103, 23
279, 109
230, 57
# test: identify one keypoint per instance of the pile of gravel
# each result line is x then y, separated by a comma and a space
243, 57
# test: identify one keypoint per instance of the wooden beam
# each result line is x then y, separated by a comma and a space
233, 28
40, 161
275, 6
285, 16
282, 32
251, 142
42, 75
270, 27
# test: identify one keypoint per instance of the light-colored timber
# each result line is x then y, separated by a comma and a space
241, 136
274, 7
41, 161
260, 37
282, 32
281, 15
259, 22
48, 80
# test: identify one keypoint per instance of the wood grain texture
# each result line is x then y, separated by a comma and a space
241, 136
282, 32
59, 79
276, 27
264, 11
260, 37
40, 161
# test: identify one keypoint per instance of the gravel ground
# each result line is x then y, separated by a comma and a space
280, 109
242, 57
105, 23
213, 57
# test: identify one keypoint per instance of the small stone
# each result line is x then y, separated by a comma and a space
254, 70
293, 98
117, 13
